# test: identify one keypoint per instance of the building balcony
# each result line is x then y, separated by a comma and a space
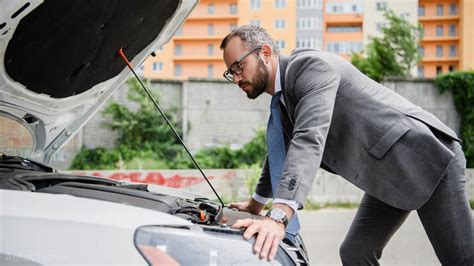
213, 18
197, 58
343, 19
444, 59
438, 18
195, 38
440, 39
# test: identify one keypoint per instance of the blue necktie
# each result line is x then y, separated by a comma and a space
277, 154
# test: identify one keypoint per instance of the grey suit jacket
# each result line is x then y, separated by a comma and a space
341, 120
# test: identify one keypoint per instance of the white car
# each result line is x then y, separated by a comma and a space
59, 66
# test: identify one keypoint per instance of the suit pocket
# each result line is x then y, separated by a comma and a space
388, 140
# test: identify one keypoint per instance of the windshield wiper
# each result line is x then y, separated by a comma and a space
121, 53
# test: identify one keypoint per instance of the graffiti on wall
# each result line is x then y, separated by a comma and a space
172, 179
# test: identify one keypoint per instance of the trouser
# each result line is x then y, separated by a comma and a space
446, 218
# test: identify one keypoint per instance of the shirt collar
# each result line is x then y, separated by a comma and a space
277, 79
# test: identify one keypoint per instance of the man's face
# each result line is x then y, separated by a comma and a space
254, 77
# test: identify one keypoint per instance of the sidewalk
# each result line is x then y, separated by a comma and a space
324, 230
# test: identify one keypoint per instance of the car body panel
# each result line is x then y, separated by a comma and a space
62, 229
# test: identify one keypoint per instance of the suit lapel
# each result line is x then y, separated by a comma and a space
286, 121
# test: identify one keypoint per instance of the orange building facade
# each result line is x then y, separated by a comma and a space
343, 27
338, 26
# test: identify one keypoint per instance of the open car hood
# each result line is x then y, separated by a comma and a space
59, 61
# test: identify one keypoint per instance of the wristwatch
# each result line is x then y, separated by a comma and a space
278, 215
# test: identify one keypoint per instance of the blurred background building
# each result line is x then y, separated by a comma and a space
338, 26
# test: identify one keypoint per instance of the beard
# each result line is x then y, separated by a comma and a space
260, 81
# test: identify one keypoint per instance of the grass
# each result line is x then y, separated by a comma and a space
471, 202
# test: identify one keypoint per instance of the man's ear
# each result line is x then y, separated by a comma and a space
267, 52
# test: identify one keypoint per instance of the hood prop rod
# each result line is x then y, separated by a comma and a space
121, 53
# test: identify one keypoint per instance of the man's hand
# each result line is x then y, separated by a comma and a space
252, 206
269, 234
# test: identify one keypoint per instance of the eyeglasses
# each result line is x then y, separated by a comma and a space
236, 68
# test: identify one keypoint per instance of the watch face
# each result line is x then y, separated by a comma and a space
277, 214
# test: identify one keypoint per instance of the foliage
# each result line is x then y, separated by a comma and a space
394, 54
224, 157
145, 141
142, 136
461, 85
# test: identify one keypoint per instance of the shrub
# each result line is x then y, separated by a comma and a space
461, 85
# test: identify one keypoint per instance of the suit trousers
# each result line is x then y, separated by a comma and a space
446, 218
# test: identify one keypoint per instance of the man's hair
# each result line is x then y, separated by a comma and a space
252, 36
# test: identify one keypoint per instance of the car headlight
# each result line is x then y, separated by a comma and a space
196, 245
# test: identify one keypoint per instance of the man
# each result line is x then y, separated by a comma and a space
335, 117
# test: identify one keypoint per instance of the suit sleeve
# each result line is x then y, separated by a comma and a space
313, 85
264, 185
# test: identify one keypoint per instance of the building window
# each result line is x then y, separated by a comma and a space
280, 3
381, 6
232, 26
344, 47
344, 29
279, 24
311, 43
255, 4
421, 50
439, 51
344, 8
309, 4
421, 11
439, 10
210, 29
380, 26
281, 44
452, 68
178, 69
309, 23
210, 70
452, 30
453, 9
255, 22
157, 66
453, 51
439, 30
210, 49
178, 49
233, 9
439, 70
421, 71
211, 9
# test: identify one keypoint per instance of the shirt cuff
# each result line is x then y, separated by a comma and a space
260, 199
291, 203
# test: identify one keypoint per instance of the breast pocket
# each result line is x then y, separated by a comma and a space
383, 145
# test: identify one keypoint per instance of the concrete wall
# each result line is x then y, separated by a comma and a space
214, 112
232, 185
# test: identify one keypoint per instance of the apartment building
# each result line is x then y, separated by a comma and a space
447, 40
194, 50
338, 26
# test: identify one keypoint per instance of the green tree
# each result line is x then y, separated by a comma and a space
461, 85
393, 54
143, 131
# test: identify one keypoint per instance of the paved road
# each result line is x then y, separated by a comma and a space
324, 230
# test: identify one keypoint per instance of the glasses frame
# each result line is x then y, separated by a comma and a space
229, 73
